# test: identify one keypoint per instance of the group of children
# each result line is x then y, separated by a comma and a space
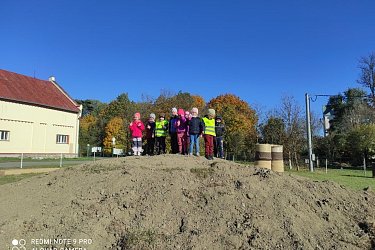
185, 128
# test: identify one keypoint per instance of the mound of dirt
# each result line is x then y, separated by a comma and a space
178, 202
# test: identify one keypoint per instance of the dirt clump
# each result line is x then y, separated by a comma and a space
178, 202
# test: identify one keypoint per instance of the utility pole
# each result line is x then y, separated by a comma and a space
308, 126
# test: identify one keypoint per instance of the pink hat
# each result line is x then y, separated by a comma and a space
137, 115
181, 112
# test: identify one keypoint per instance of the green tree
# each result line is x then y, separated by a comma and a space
273, 132
91, 107
361, 141
351, 110
356, 109
166, 101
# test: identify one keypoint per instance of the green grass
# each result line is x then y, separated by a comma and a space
14, 178
142, 238
354, 179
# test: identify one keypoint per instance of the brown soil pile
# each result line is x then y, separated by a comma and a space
178, 202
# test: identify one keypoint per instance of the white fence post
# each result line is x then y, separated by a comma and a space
61, 156
364, 165
326, 165
21, 160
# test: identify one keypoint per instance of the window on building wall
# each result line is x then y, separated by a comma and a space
62, 139
4, 135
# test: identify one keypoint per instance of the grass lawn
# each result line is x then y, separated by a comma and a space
13, 178
354, 179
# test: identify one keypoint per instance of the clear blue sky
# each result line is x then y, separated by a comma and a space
258, 50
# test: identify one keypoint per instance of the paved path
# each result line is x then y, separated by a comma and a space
36, 163
16, 171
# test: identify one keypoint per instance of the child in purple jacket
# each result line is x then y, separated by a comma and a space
181, 128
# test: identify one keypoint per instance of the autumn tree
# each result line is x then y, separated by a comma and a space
198, 102
115, 128
240, 121
87, 133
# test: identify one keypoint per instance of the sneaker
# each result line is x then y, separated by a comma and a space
197, 154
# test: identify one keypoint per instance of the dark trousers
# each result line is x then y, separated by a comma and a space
149, 148
208, 145
174, 143
219, 146
160, 145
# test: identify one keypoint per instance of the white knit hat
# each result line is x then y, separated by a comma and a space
194, 110
152, 115
211, 112
174, 110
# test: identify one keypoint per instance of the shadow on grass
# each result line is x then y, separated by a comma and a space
350, 175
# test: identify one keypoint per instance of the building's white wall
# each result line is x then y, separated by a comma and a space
34, 129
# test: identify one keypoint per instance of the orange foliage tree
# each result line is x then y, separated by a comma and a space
198, 102
240, 121
114, 128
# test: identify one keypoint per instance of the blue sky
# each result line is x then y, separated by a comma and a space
258, 50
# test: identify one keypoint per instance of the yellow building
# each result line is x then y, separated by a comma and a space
37, 117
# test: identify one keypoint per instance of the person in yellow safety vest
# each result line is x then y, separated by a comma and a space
161, 128
209, 134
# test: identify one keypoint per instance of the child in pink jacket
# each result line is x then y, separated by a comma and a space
136, 127
181, 128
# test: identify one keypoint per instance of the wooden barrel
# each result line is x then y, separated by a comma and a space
263, 155
277, 163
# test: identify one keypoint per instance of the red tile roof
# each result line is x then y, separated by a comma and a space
24, 89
